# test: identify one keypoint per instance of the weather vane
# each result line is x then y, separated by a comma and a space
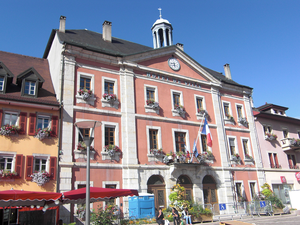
159, 12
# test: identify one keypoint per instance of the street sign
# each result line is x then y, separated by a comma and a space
262, 204
222, 206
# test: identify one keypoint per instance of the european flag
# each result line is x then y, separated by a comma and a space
195, 151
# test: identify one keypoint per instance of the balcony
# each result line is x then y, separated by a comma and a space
290, 144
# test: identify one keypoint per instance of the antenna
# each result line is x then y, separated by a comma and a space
159, 12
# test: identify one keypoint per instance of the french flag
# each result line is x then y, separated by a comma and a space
206, 131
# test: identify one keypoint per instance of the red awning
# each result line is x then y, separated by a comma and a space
27, 198
96, 194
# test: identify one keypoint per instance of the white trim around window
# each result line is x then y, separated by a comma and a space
76, 183
196, 97
106, 103
159, 143
42, 156
150, 108
255, 186
187, 139
104, 154
9, 155
226, 103
117, 183
242, 188
91, 99
2, 83
235, 145
175, 112
10, 111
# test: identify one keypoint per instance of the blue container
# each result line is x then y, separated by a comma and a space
141, 206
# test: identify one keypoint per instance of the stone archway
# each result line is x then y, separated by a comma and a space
156, 186
210, 194
186, 182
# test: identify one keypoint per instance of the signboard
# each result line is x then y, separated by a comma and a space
298, 176
222, 207
282, 178
262, 204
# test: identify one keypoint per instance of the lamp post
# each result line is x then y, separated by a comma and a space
87, 124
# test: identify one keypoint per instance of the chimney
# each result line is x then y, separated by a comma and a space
62, 24
227, 71
179, 45
106, 34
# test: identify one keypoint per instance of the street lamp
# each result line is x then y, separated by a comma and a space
87, 124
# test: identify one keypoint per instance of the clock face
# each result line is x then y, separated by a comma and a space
174, 64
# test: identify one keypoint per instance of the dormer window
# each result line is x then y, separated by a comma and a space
29, 88
1, 83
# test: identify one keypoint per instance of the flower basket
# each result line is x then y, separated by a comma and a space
236, 158
229, 117
112, 150
5, 174
157, 152
82, 146
41, 178
202, 112
85, 93
270, 136
7, 130
109, 97
180, 109
248, 157
243, 121
42, 133
295, 142
152, 103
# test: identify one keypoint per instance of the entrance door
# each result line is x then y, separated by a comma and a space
210, 194
157, 187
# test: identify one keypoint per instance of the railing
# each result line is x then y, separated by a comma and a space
289, 144
275, 166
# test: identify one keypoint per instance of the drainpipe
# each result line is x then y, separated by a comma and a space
60, 118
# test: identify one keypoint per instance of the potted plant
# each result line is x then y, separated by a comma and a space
82, 146
41, 177
179, 108
42, 133
157, 152
229, 117
270, 136
7, 130
109, 97
112, 150
152, 103
85, 93
181, 156
6, 174
243, 120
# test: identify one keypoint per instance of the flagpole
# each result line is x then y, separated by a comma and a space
200, 128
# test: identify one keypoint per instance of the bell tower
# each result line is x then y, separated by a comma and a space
162, 32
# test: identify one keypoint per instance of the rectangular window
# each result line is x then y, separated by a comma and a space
85, 83
232, 146
29, 88
109, 87
39, 165
43, 122
245, 146
276, 160
176, 99
10, 118
153, 139
1, 83
199, 104
180, 141
113, 200
271, 160
239, 111
204, 143
150, 94
298, 134
267, 129
85, 133
285, 133
226, 109
109, 136
239, 193
292, 161
6, 163
252, 189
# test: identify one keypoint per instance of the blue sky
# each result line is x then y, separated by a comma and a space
258, 38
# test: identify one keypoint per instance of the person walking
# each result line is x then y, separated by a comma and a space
160, 217
176, 217
187, 216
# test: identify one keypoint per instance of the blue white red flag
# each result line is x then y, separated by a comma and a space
206, 131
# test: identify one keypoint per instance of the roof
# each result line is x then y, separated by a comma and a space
18, 64
93, 41
268, 106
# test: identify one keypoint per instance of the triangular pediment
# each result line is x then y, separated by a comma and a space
5, 72
30, 74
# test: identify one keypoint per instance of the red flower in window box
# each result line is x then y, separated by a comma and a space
9, 130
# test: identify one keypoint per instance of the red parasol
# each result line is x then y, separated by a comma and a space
96, 194
27, 198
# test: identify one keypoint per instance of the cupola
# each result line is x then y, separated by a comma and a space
162, 32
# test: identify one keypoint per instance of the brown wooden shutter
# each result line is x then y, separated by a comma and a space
29, 167
23, 122
53, 167
54, 126
19, 165
32, 122
1, 113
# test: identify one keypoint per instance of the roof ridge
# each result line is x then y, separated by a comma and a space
26, 56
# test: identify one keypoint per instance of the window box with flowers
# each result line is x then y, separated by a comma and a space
157, 152
80, 151
235, 158
181, 157
6, 174
42, 133
202, 112
248, 158
8, 130
295, 142
169, 157
243, 121
180, 110
110, 100
111, 152
152, 106
85, 96
270, 136
41, 178
229, 117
